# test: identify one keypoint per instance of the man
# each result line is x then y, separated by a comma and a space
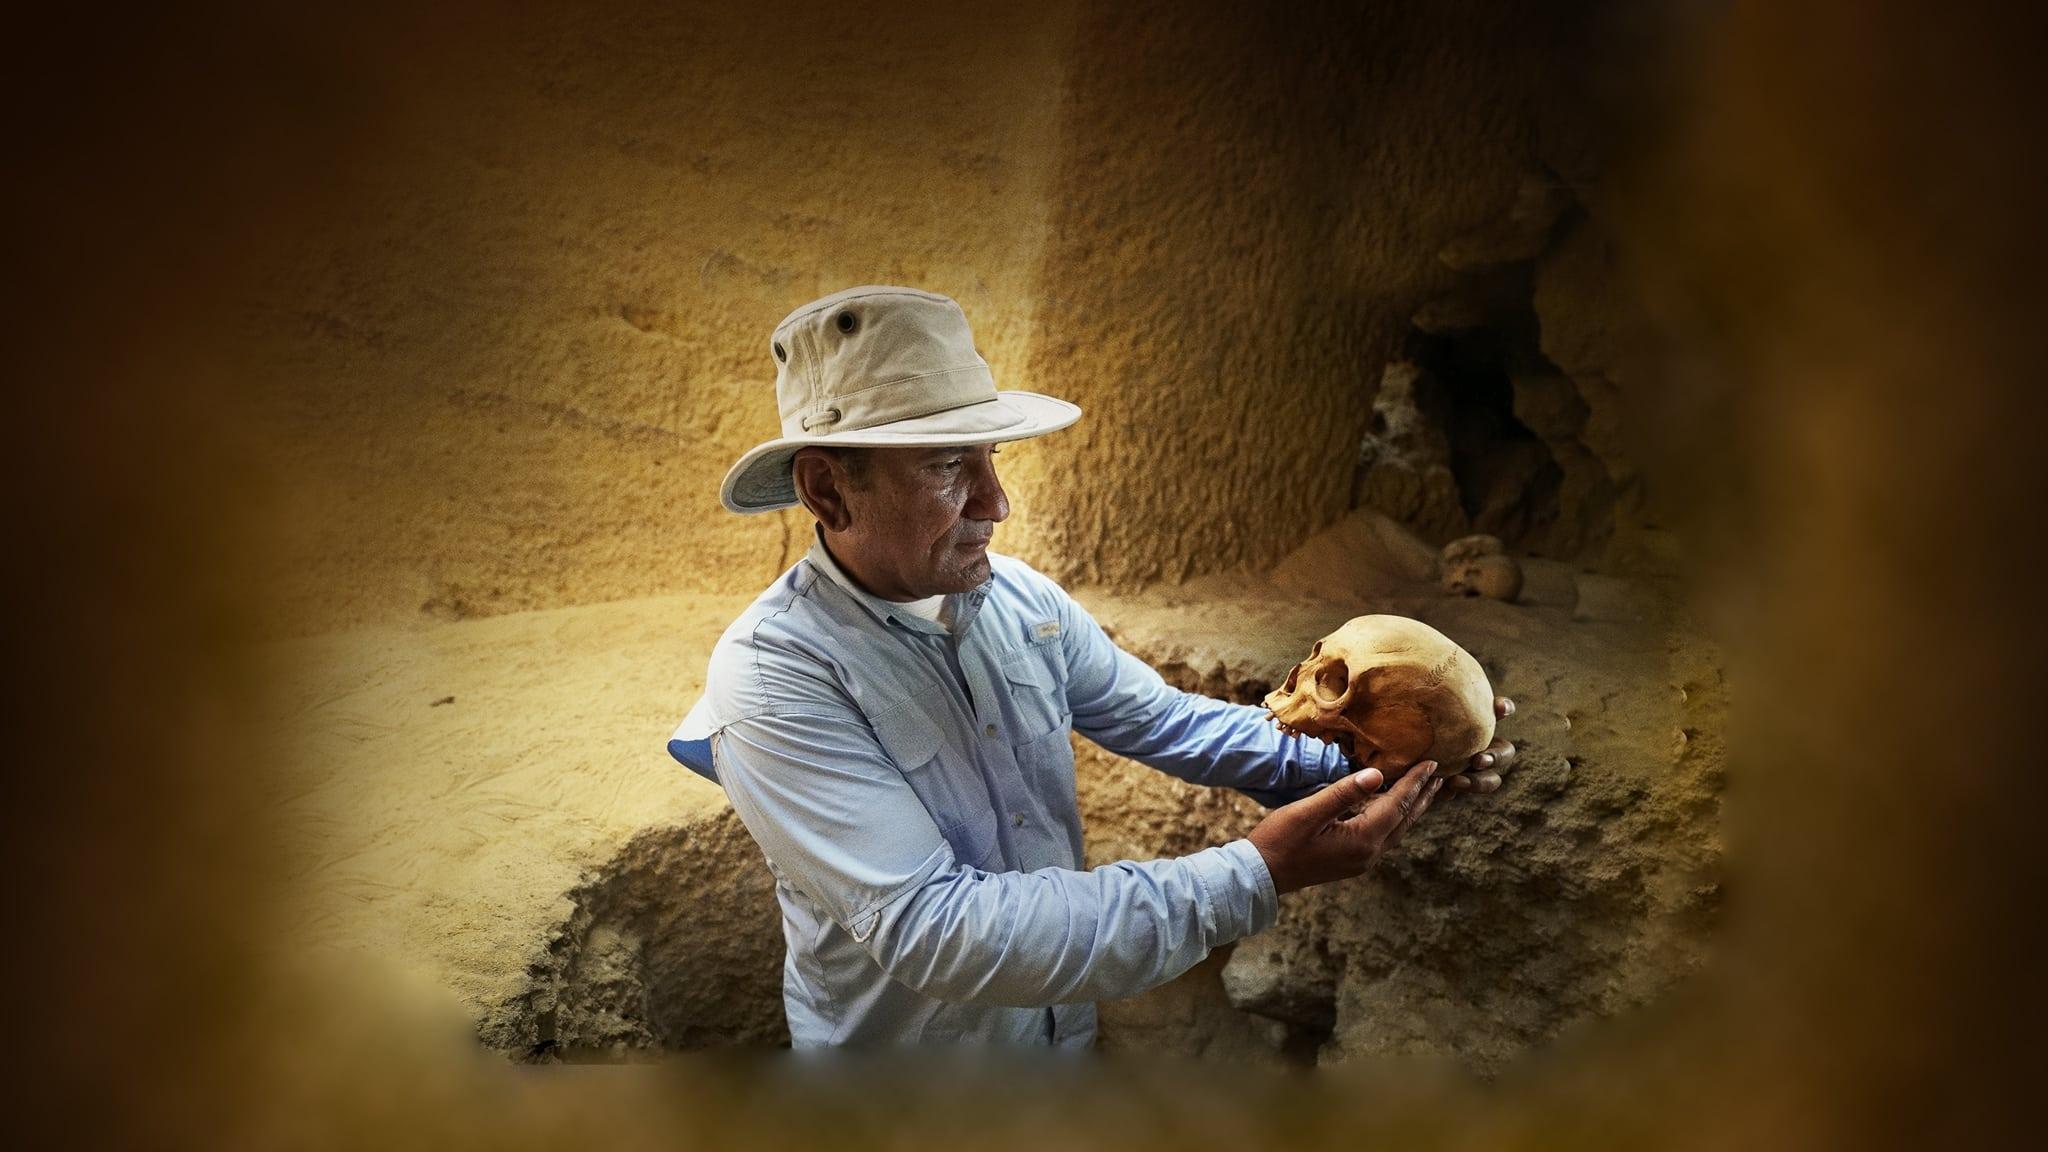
891, 719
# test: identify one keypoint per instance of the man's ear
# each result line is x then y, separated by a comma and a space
819, 484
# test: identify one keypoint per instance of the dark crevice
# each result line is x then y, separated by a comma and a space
1507, 480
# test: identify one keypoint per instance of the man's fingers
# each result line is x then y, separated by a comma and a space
1499, 756
1503, 707
1367, 781
1477, 783
1421, 804
1483, 775
1486, 757
1388, 810
1347, 793
1415, 812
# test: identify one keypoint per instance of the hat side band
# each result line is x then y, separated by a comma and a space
760, 481
907, 398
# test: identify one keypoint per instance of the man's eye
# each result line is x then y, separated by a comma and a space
955, 463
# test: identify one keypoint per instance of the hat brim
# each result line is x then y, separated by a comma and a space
760, 481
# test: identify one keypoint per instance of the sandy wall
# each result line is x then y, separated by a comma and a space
510, 367
1249, 206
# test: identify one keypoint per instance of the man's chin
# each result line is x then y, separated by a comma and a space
971, 575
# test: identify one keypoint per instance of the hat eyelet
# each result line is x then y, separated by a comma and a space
781, 353
848, 322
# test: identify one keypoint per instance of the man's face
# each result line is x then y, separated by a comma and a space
921, 520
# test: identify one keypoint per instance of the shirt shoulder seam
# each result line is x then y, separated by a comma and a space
754, 635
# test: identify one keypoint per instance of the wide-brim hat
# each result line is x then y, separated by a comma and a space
880, 367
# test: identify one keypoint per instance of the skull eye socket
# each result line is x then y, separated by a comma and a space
1293, 675
1332, 681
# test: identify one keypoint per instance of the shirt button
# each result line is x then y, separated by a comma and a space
1018, 820
990, 730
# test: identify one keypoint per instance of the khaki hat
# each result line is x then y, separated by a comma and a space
876, 367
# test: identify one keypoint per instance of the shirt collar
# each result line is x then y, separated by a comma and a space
965, 605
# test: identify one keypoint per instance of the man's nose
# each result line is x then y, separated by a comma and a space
988, 501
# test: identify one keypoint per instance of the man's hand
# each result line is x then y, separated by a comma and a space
1343, 830
1484, 774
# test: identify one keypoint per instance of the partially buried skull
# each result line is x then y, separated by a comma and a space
1496, 577
1391, 692
1480, 566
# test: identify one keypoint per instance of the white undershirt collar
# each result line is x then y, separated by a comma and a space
932, 608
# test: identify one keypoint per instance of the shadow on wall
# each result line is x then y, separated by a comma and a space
1839, 220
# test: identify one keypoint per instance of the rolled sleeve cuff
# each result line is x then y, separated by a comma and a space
1336, 765
1241, 899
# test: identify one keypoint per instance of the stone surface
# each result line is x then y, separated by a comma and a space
1552, 583
1404, 461
1551, 406
1520, 233
1612, 598
1477, 298
1593, 331
1365, 553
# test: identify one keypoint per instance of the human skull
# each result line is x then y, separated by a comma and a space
1390, 691
1494, 576
1479, 566
1464, 548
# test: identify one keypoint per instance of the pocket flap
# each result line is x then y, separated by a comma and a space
1028, 669
907, 735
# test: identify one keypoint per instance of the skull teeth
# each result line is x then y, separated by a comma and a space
1346, 741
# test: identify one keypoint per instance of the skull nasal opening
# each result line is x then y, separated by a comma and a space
1332, 680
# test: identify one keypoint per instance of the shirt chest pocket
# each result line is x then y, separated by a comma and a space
1038, 696
948, 784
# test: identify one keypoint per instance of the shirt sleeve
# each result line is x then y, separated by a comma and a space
1121, 703
826, 804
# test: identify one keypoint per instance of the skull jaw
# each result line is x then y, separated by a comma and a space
1338, 730
1361, 748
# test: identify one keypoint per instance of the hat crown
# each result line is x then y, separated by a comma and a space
872, 355
880, 367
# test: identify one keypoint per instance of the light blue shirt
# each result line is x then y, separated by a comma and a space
913, 791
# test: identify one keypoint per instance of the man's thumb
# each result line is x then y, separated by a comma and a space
1350, 792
